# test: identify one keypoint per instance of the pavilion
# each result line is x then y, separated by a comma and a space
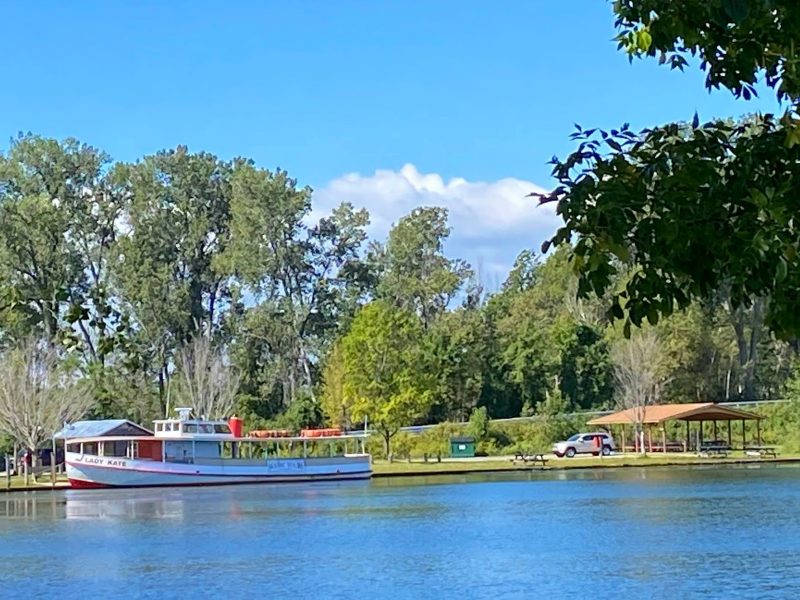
700, 413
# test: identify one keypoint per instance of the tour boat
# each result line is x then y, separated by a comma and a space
187, 451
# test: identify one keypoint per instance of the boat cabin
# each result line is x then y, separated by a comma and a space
184, 427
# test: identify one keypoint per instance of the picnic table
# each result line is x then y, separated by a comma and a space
534, 458
714, 450
761, 451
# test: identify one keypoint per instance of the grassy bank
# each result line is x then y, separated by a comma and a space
449, 466
496, 464
18, 483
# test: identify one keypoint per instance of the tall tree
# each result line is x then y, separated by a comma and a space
58, 218
456, 354
546, 341
385, 370
414, 272
306, 280
334, 400
177, 222
585, 377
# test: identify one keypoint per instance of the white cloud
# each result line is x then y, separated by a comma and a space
491, 221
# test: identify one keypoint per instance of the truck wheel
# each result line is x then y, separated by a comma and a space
570, 452
606, 450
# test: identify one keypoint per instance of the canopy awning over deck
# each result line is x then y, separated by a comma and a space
658, 414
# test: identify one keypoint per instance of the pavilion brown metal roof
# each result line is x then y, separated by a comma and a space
701, 411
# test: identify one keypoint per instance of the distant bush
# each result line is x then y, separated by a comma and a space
500, 438
478, 426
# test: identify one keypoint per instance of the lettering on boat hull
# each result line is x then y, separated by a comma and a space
286, 464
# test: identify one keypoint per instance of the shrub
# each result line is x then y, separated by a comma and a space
478, 426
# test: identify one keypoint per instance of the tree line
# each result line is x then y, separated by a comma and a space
185, 279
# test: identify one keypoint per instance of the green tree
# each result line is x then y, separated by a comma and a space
544, 339
689, 208
456, 354
414, 272
584, 373
336, 404
305, 280
478, 426
385, 369
736, 41
58, 219
177, 221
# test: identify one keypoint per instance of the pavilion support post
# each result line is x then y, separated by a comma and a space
716, 437
744, 435
664, 438
688, 443
650, 438
758, 431
700, 436
730, 435
622, 437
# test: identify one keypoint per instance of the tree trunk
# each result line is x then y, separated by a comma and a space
747, 345
162, 400
387, 438
34, 464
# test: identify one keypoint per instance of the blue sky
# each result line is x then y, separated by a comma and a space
334, 91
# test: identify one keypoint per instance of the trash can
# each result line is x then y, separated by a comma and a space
462, 447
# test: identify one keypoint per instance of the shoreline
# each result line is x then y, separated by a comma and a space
384, 470
453, 468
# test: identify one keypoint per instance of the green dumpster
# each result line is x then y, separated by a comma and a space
462, 447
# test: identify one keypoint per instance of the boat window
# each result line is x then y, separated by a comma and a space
190, 428
90, 448
117, 448
221, 428
73, 447
206, 428
158, 427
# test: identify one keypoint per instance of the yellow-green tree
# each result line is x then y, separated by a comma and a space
384, 369
335, 403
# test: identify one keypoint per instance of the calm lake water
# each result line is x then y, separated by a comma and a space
713, 532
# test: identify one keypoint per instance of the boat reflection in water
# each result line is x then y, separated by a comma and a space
129, 505
25, 505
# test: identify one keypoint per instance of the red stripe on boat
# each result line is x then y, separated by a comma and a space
80, 484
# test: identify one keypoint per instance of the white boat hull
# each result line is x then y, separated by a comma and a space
86, 471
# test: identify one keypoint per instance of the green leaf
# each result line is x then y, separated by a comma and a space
781, 270
643, 40
737, 10
617, 312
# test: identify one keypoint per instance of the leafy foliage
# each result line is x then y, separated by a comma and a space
737, 41
680, 212
414, 273
384, 368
